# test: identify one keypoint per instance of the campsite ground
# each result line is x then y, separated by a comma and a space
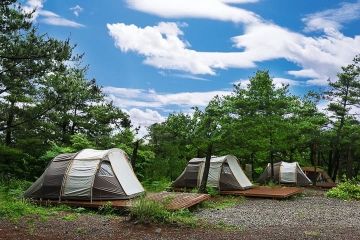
66, 225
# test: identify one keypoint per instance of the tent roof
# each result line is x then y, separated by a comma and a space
214, 159
311, 169
92, 154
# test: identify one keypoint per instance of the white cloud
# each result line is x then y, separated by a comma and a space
320, 57
77, 9
140, 98
144, 118
304, 73
60, 21
332, 18
47, 16
190, 77
212, 9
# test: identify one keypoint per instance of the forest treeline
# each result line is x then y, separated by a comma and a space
49, 106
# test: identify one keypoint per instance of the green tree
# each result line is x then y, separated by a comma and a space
343, 96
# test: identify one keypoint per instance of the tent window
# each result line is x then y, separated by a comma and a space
226, 169
105, 170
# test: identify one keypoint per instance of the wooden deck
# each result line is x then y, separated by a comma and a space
175, 201
261, 191
325, 184
266, 192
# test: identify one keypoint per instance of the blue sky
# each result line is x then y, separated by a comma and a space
153, 57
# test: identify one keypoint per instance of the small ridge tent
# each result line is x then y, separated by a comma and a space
87, 175
225, 173
286, 173
321, 175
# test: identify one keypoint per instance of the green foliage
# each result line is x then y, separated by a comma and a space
79, 142
14, 207
156, 186
69, 217
106, 209
212, 191
222, 202
346, 190
145, 210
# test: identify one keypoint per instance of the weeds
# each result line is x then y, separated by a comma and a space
346, 190
69, 217
106, 209
222, 203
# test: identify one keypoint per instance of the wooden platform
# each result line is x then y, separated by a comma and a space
325, 184
266, 192
175, 201
258, 191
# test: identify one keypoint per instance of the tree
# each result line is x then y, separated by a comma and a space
25, 58
343, 96
261, 112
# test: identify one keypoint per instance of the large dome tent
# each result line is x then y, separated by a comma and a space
225, 173
87, 175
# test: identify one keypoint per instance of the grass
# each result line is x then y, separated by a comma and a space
14, 207
312, 234
222, 202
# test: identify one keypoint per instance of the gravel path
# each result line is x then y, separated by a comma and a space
313, 217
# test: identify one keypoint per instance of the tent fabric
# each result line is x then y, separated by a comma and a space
321, 174
284, 173
87, 175
225, 173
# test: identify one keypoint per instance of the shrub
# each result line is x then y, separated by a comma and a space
346, 190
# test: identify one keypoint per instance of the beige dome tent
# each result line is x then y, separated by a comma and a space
225, 174
286, 173
87, 175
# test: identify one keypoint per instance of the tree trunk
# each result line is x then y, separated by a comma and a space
9, 122
315, 163
272, 165
349, 164
204, 179
134, 154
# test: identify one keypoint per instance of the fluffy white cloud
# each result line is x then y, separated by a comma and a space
124, 97
77, 9
47, 16
320, 57
212, 9
332, 18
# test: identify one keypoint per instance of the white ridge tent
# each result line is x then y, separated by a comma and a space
87, 175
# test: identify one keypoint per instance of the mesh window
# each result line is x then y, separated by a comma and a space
105, 170
226, 169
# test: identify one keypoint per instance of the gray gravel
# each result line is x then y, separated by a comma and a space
311, 211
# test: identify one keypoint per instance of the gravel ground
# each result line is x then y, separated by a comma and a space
310, 217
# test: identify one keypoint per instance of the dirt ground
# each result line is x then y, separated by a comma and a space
66, 225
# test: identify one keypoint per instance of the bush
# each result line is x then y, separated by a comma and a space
346, 190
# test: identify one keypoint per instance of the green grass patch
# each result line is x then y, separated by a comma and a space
222, 202
145, 210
